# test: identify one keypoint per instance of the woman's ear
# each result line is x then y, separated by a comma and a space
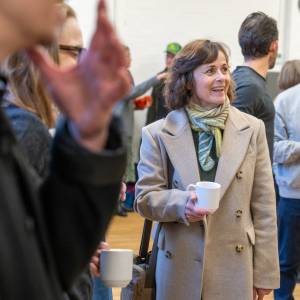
274, 47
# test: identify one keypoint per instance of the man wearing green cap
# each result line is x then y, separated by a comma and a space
158, 110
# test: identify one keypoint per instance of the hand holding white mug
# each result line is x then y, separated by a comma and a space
207, 193
192, 212
95, 260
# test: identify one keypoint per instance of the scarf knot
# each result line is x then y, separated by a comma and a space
209, 125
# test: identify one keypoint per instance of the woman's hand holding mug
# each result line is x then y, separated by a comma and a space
192, 212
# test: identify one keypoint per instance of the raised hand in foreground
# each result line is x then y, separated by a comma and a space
87, 93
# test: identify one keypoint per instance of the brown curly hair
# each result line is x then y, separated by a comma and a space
180, 82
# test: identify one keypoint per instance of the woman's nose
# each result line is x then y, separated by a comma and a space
220, 75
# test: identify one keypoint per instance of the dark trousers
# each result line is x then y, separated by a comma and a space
289, 246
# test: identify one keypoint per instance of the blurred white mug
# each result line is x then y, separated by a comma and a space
116, 267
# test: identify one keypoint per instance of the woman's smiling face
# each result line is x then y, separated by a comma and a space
211, 83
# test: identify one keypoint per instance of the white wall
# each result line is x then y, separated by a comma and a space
87, 11
146, 26
291, 34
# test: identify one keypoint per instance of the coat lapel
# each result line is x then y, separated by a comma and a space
178, 140
236, 138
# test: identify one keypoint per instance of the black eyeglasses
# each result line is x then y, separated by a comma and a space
75, 51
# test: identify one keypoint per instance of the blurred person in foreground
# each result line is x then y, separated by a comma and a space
48, 229
70, 44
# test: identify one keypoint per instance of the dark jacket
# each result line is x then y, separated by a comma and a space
32, 135
34, 141
158, 109
49, 231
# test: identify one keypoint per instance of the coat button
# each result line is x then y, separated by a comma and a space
239, 175
168, 254
238, 213
239, 248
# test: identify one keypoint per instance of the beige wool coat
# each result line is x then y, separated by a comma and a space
232, 250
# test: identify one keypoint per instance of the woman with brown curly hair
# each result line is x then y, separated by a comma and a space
231, 253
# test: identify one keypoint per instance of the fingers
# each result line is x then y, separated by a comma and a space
105, 42
266, 291
42, 60
193, 213
102, 18
94, 266
94, 270
104, 246
194, 217
50, 73
254, 294
259, 294
193, 196
120, 87
123, 192
95, 260
102, 6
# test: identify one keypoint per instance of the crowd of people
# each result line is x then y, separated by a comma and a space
66, 157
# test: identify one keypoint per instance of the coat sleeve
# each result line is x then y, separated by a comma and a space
263, 210
154, 200
78, 199
286, 151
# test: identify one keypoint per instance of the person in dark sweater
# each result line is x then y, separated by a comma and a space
258, 39
47, 229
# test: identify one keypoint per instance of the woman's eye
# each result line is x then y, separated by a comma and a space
210, 72
225, 69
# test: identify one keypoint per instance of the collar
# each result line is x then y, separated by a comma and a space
177, 120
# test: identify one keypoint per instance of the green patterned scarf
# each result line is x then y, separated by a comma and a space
209, 124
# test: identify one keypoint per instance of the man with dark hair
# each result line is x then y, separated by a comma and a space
49, 230
258, 39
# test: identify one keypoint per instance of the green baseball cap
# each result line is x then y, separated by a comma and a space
173, 48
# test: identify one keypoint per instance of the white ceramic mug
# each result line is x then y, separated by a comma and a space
208, 195
116, 267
